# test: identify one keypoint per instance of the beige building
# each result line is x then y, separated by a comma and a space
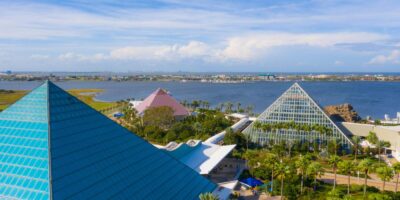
386, 133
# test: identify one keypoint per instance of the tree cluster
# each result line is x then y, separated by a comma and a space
267, 127
158, 124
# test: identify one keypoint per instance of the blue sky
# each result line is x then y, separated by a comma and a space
174, 35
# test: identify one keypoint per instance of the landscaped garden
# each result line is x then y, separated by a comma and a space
296, 169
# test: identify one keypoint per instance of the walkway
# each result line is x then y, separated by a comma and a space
342, 180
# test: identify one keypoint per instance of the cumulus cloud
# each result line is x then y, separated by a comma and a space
191, 50
253, 45
236, 48
392, 58
194, 49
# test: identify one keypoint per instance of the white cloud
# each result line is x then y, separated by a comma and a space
70, 56
392, 58
338, 62
236, 48
251, 46
193, 49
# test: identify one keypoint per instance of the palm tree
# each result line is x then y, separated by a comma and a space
315, 170
302, 164
249, 109
208, 196
385, 174
197, 128
228, 107
333, 162
195, 104
206, 104
282, 170
372, 138
396, 168
238, 104
184, 103
366, 165
257, 125
335, 145
270, 161
380, 144
347, 167
356, 140
220, 107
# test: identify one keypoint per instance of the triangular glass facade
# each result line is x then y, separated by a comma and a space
294, 116
24, 154
90, 156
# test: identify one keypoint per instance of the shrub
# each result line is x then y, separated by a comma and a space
377, 196
372, 189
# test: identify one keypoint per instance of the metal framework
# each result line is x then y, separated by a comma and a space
294, 106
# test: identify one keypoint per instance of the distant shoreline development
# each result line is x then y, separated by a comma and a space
197, 77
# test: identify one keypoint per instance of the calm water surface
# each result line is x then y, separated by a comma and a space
368, 98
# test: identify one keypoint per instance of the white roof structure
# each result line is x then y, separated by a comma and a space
220, 136
238, 115
365, 143
393, 128
135, 103
201, 156
224, 189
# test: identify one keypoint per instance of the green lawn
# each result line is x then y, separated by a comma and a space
88, 96
7, 98
85, 95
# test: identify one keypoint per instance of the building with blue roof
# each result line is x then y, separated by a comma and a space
53, 146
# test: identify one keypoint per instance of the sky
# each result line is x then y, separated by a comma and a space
200, 36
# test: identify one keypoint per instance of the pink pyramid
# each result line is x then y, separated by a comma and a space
162, 98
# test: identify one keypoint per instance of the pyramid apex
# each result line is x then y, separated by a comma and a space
160, 91
296, 84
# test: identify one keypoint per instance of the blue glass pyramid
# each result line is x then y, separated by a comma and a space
53, 146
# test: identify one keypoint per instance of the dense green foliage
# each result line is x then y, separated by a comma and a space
226, 107
208, 196
372, 138
305, 166
158, 125
292, 125
237, 138
162, 117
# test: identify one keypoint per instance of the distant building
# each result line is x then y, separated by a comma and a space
391, 121
53, 146
266, 77
301, 119
161, 98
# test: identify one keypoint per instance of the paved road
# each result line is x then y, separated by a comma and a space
342, 179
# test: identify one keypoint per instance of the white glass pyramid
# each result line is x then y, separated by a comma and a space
294, 116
